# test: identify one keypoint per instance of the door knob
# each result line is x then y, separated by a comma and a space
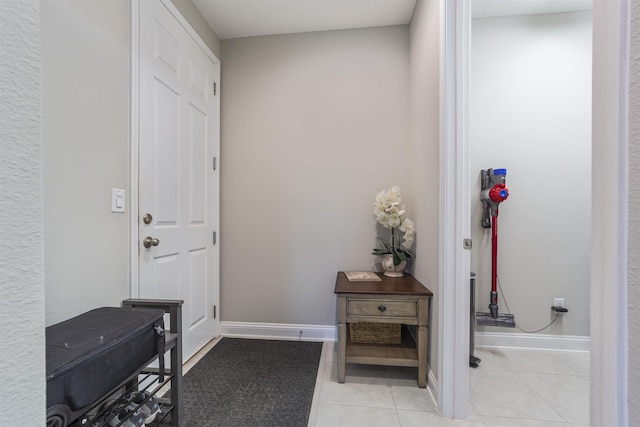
147, 218
150, 241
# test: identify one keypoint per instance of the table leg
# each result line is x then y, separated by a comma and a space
342, 351
422, 356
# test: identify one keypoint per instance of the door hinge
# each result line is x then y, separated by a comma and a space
467, 244
214, 311
215, 89
215, 163
214, 237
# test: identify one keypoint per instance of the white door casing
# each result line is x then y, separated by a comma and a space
609, 213
178, 139
609, 360
455, 214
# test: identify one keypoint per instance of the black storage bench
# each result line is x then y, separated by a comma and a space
99, 356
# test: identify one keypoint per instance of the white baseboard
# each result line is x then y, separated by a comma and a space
533, 341
286, 331
432, 384
278, 331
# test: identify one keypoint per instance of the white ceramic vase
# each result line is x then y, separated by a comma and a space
391, 270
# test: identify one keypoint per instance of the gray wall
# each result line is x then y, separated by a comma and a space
425, 162
22, 356
329, 129
85, 132
530, 112
313, 126
634, 221
85, 112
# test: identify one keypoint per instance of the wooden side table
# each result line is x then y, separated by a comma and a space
401, 300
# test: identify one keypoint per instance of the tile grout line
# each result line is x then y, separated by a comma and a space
549, 402
519, 374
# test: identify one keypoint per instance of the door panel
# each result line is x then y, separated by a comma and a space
165, 47
197, 167
164, 151
163, 277
198, 293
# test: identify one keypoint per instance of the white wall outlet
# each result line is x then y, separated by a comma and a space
117, 200
558, 302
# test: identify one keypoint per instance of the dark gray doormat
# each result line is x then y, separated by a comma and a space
246, 382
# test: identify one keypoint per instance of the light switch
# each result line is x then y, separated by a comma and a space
117, 200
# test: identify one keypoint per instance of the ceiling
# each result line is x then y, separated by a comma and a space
489, 8
244, 18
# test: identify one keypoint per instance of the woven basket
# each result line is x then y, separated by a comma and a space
375, 333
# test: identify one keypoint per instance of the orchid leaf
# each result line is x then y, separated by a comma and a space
396, 259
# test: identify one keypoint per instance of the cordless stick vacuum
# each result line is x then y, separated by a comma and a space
494, 192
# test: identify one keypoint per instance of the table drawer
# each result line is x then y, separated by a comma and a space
382, 308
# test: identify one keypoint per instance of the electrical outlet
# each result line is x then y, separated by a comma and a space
558, 302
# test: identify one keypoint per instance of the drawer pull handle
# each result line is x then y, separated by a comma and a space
382, 308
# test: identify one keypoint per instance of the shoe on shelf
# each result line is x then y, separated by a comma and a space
146, 403
130, 417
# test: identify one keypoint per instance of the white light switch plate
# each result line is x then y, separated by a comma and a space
117, 200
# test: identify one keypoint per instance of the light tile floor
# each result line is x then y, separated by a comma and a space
510, 388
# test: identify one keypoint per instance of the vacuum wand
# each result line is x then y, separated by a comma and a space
494, 192
493, 306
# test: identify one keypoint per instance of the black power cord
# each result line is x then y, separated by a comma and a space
558, 311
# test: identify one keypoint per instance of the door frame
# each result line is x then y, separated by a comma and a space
609, 211
134, 158
609, 371
455, 214
134, 151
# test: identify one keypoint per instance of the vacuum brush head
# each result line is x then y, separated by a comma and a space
502, 320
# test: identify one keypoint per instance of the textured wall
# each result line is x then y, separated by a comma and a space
22, 357
313, 126
530, 112
634, 221
425, 161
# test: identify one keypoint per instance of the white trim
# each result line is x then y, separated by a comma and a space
279, 331
609, 371
532, 341
189, 29
432, 384
134, 147
455, 222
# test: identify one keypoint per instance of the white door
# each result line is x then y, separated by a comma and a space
178, 186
